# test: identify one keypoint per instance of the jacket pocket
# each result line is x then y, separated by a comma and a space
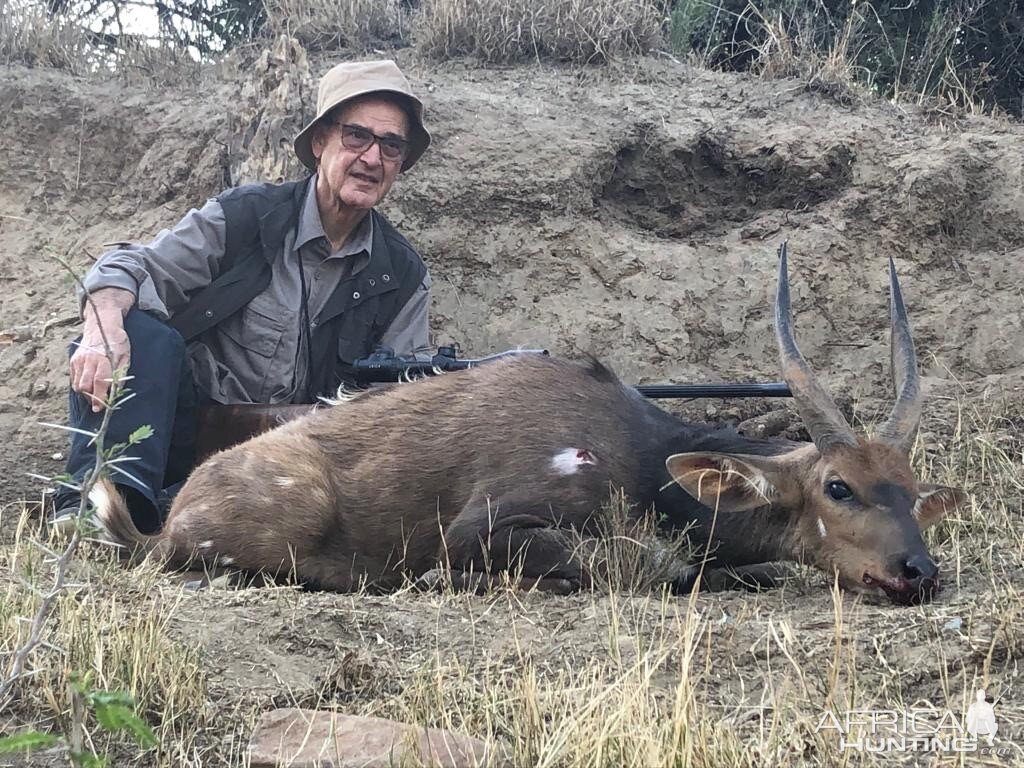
255, 328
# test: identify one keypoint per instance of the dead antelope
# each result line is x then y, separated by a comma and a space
487, 469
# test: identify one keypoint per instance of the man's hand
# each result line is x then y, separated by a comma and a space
91, 371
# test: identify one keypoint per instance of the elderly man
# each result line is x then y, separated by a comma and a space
264, 295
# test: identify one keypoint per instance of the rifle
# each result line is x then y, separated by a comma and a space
382, 366
221, 426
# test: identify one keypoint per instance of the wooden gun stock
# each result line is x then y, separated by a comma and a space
222, 426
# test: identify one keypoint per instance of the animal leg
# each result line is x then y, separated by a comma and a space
511, 536
754, 578
482, 583
320, 572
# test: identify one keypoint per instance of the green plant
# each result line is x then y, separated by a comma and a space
114, 712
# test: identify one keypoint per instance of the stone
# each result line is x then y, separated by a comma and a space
769, 424
304, 738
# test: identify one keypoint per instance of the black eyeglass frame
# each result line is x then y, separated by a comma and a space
398, 142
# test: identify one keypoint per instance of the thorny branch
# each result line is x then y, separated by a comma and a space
19, 660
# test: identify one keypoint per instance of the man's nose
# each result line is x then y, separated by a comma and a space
371, 155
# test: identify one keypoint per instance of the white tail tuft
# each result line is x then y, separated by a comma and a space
115, 520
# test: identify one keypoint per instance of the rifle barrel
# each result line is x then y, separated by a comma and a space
389, 369
773, 389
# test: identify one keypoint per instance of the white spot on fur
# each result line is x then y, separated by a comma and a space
284, 482
569, 460
227, 561
821, 528
206, 544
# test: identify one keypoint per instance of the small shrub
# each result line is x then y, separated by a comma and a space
29, 36
328, 24
965, 53
505, 31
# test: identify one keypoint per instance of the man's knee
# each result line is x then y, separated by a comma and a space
146, 332
144, 328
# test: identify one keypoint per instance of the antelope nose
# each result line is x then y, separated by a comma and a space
919, 569
921, 576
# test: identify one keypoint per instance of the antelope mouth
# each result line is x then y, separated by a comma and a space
903, 591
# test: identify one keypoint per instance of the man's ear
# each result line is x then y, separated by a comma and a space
729, 482
318, 140
933, 501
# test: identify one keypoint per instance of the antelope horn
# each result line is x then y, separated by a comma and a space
822, 418
901, 428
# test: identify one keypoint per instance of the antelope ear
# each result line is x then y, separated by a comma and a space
727, 482
933, 501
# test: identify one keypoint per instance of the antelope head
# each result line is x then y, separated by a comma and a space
856, 507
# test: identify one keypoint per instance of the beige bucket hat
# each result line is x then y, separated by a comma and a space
357, 78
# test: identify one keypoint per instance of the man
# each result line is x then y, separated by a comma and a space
264, 295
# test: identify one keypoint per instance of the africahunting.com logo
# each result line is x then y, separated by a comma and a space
917, 729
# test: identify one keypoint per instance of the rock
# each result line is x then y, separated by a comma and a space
768, 424
38, 389
304, 738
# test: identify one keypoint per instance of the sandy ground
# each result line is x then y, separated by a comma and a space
633, 213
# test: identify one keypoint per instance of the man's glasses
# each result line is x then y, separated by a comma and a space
359, 139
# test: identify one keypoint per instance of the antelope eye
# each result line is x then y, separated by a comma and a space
838, 490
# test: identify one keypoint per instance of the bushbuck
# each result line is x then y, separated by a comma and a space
491, 469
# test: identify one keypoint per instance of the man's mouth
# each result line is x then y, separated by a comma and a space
902, 591
365, 178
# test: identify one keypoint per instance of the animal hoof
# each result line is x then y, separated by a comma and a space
556, 586
430, 581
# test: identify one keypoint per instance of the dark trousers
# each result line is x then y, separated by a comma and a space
165, 398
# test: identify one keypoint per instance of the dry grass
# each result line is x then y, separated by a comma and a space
503, 31
828, 70
29, 36
330, 24
629, 554
608, 678
112, 624
847, 60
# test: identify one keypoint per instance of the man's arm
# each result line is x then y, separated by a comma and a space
409, 333
103, 332
162, 273
156, 277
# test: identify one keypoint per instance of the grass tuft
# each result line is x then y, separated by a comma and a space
505, 31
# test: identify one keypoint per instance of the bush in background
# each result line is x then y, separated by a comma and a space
966, 52
30, 36
504, 31
330, 24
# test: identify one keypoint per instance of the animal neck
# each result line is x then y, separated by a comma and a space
768, 533
745, 538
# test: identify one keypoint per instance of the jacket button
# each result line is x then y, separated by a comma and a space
372, 282
355, 295
209, 313
385, 278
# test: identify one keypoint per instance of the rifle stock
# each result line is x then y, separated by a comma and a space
221, 426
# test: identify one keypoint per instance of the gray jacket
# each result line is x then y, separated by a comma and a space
228, 278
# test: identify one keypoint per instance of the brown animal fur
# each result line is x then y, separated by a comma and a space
489, 469
390, 485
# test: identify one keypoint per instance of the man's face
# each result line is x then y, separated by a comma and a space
352, 176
